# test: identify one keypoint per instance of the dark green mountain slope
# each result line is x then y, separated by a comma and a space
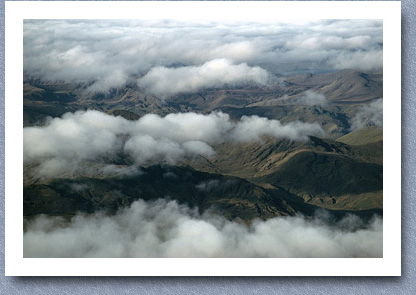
326, 176
322, 172
231, 197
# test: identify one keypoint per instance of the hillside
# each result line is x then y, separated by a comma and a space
319, 171
343, 92
231, 197
363, 136
246, 180
344, 86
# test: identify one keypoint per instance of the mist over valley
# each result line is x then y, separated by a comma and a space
177, 139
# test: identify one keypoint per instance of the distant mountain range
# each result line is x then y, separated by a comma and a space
343, 90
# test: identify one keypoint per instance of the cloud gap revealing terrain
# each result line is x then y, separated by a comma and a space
177, 139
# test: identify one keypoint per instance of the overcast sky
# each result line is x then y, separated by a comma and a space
109, 53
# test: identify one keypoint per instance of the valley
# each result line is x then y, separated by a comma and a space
203, 138
269, 177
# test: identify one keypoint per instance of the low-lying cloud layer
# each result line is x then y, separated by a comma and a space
313, 98
165, 229
368, 115
309, 98
107, 54
165, 82
67, 144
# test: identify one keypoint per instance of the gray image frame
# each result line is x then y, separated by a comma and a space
248, 285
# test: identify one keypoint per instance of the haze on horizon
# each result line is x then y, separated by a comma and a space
190, 56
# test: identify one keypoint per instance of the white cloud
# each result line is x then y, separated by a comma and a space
115, 79
254, 127
313, 98
73, 143
198, 148
208, 185
166, 229
165, 82
146, 149
319, 42
64, 143
185, 126
110, 53
368, 115
309, 98
360, 60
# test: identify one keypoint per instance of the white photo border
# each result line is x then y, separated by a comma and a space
389, 265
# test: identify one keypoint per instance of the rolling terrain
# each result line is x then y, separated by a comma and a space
341, 172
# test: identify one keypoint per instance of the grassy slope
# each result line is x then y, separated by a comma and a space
232, 197
363, 136
322, 172
342, 174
